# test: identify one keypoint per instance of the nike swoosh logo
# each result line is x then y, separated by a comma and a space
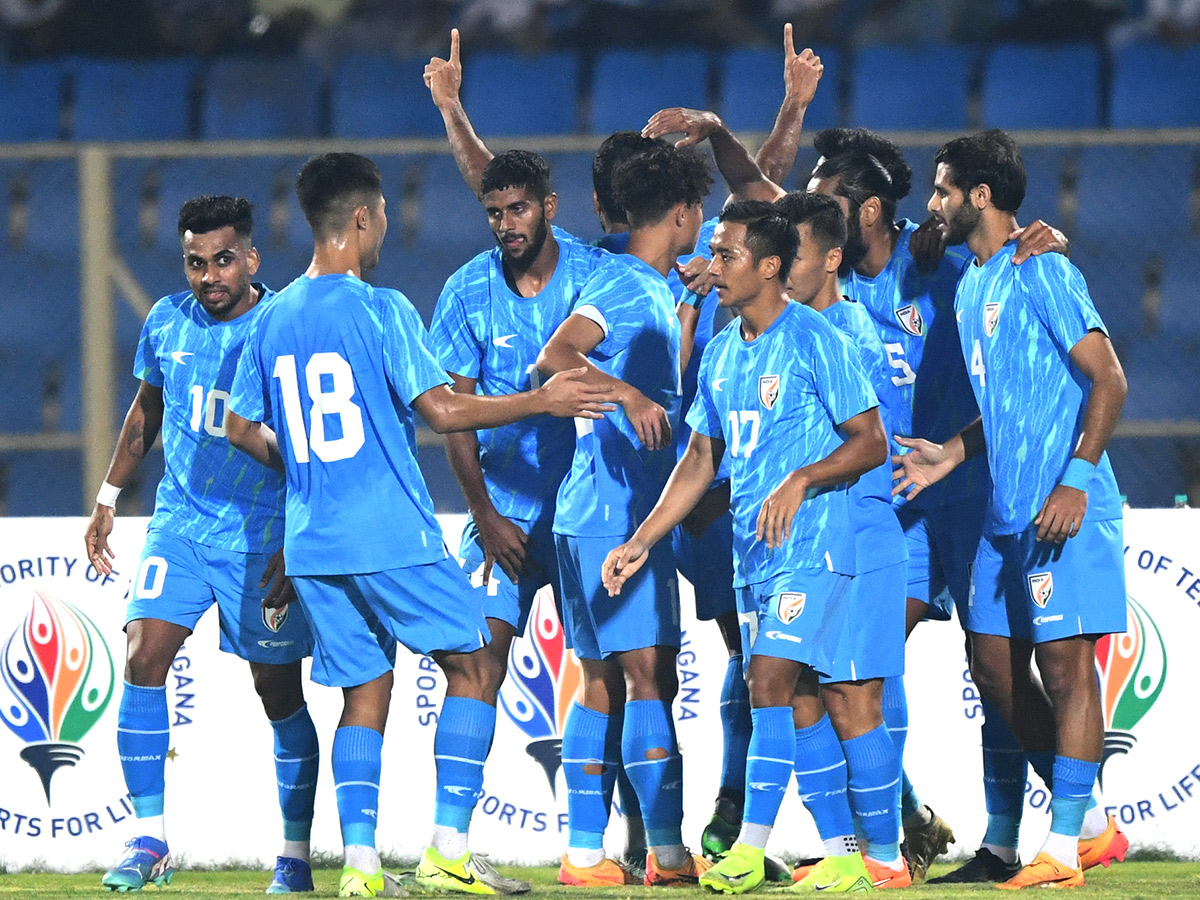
717, 384
178, 355
504, 341
470, 880
958, 316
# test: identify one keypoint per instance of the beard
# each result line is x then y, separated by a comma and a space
533, 248
960, 226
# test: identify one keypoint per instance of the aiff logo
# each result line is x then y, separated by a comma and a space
57, 676
543, 676
1132, 669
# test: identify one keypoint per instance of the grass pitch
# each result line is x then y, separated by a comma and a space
1124, 881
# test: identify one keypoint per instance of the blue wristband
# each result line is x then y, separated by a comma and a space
1078, 474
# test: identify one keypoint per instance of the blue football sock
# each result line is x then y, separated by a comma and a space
297, 762
1073, 783
735, 726
873, 772
460, 746
895, 717
355, 760
772, 756
1004, 774
821, 779
585, 736
658, 781
1042, 762
143, 737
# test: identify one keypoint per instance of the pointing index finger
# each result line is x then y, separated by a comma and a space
454, 46
789, 46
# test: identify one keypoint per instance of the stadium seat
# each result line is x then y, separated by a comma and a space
1180, 290
752, 89
1158, 371
1154, 86
911, 88
511, 94
39, 205
23, 398
1043, 184
571, 175
128, 101
43, 483
382, 97
1149, 470
920, 160
629, 86
36, 90
40, 300
261, 98
1116, 275
1073, 102
1134, 192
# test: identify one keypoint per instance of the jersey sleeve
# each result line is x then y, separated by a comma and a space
703, 415
450, 332
1060, 298
613, 300
838, 376
248, 395
412, 369
145, 361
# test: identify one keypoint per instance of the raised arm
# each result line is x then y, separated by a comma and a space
801, 73
443, 77
143, 421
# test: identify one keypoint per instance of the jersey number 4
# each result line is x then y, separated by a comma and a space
308, 431
977, 366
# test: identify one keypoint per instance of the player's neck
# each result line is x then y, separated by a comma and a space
529, 281
655, 247
991, 234
880, 248
247, 303
334, 258
760, 313
829, 294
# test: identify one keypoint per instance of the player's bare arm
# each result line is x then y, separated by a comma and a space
254, 439
927, 463
864, 447
695, 275
568, 348
503, 542
443, 77
801, 74
567, 395
684, 489
1062, 514
689, 317
142, 424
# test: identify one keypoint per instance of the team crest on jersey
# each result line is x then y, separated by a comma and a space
274, 618
1041, 588
768, 390
789, 607
991, 318
911, 320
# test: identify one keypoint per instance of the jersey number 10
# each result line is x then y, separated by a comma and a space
307, 432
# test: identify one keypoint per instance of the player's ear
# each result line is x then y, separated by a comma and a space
362, 218
833, 259
252, 260
550, 206
870, 212
981, 195
596, 207
768, 267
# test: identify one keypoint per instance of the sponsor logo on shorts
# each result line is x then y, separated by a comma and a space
768, 390
910, 319
789, 606
991, 318
272, 645
1046, 620
274, 618
1041, 588
782, 636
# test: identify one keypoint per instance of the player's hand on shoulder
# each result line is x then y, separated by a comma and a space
650, 421
621, 564
443, 77
569, 394
695, 276
926, 463
1037, 238
801, 71
780, 508
1061, 515
95, 538
503, 543
927, 245
694, 124
280, 593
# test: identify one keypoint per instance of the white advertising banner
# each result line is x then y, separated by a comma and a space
63, 802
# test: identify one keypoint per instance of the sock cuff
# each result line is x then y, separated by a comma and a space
646, 718
894, 694
875, 748
773, 723
356, 742
138, 701
586, 724
465, 715
1075, 772
816, 732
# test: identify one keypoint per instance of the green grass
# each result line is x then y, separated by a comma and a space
1124, 881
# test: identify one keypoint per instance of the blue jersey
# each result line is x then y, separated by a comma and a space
704, 333
776, 402
1017, 326
878, 538
338, 363
913, 311
614, 480
482, 329
210, 493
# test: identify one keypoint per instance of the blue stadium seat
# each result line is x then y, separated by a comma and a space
1149, 470
133, 101
1116, 279
43, 483
261, 98
920, 160
22, 373
39, 205
1072, 102
571, 174
1154, 86
36, 90
511, 94
382, 97
629, 86
752, 89
1116, 201
1159, 371
1043, 184
40, 300
911, 88
1180, 289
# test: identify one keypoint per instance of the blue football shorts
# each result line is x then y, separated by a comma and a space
872, 644
799, 615
707, 564
941, 549
503, 599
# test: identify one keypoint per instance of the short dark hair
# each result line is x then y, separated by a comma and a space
861, 176
331, 186
989, 157
614, 150
650, 183
201, 215
516, 169
836, 141
768, 231
819, 212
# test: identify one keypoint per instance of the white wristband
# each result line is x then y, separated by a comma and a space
107, 495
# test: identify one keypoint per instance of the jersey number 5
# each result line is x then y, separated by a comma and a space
895, 355
322, 369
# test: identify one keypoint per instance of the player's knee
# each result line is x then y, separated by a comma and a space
767, 691
147, 663
471, 675
279, 687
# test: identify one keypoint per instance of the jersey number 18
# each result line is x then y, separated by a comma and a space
333, 402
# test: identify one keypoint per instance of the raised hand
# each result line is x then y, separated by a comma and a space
801, 71
1037, 238
927, 245
443, 77
695, 275
694, 124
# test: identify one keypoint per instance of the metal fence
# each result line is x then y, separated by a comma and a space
88, 240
